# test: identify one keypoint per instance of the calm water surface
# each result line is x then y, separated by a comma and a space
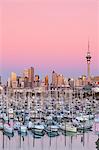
45, 143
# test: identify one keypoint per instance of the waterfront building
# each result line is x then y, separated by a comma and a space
37, 78
20, 82
71, 82
1, 89
9, 83
14, 84
66, 82
80, 81
84, 80
37, 81
42, 84
95, 80
26, 82
77, 84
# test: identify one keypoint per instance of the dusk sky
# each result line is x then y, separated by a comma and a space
49, 35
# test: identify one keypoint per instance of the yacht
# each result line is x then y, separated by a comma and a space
8, 129
38, 129
22, 129
29, 125
96, 120
1, 125
52, 130
68, 128
10, 113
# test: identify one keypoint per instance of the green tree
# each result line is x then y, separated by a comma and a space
97, 144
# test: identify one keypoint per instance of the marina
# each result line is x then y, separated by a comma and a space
39, 120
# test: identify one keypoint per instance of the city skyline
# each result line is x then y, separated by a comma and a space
49, 74
49, 35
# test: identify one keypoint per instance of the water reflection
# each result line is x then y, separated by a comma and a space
85, 141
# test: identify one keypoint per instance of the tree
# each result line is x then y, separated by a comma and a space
97, 144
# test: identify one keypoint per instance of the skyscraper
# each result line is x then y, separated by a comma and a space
60, 80
54, 79
13, 80
46, 82
13, 76
25, 73
31, 76
29, 73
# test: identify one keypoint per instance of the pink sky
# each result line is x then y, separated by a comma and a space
49, 34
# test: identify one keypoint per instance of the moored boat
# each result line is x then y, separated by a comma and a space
29, 125
8, 129
68, 128
38, 129
96, 120
22, 129
1, 125
52, 130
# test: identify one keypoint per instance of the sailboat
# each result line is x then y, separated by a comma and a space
96, 118
68, 128
22, 129
8, 129
1, 125
38, 129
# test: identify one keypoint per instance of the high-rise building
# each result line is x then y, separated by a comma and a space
20, 81
26, 82
80, 81
29, 73
13, 76
88, 58
71, 82
84, 80
13, 80
46, 82
66, 82
60, 80
37, 81
25, 73
37, 78
31, 76
54, 79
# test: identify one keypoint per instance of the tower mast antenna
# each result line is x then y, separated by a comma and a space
88, 58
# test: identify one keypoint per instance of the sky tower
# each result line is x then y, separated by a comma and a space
88, 57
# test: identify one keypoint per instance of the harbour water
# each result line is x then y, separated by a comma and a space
86, 141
